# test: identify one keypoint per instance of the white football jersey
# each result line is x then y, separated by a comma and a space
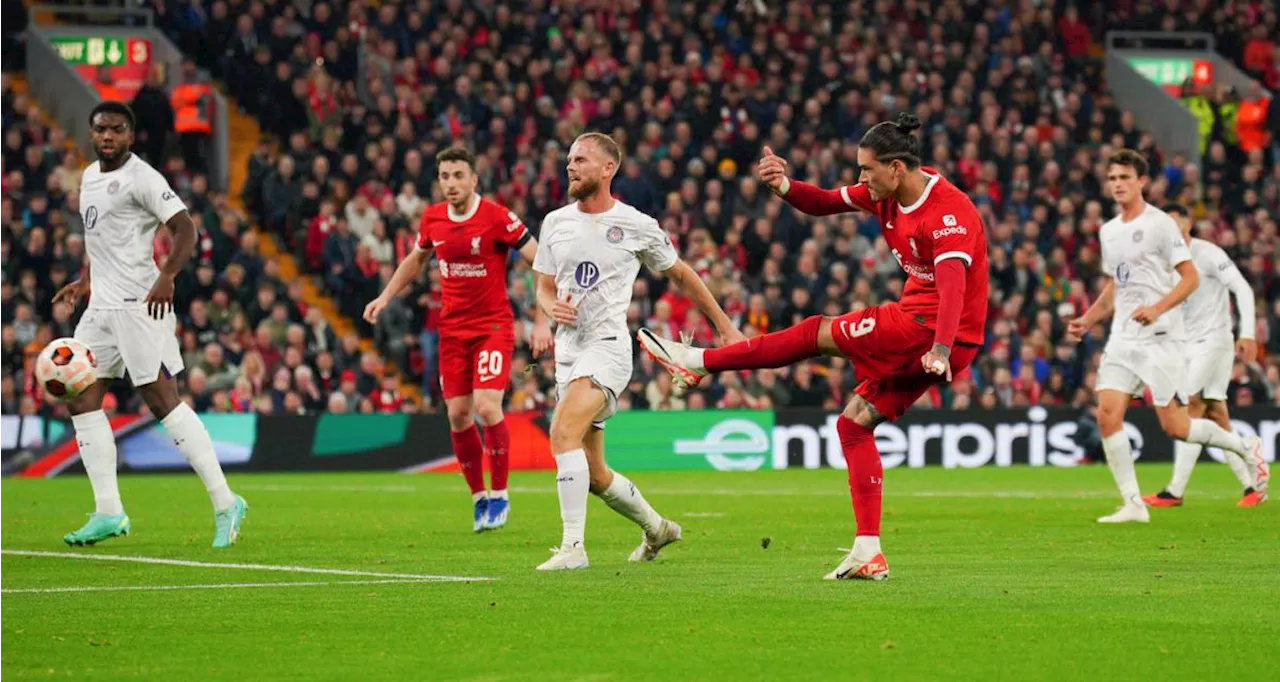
121, 210
594, 258
1207, 311
1140, 256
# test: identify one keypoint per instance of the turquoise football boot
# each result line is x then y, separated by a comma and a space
227, 523
99, 527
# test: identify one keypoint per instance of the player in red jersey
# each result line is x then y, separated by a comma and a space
898, 349
472, 238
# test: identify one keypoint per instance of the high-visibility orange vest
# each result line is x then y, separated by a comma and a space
1251, 124
192, 108
108, 93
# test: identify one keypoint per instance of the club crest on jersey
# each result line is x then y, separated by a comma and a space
475, 246
914, 251
90, 217
113, 187
1122, 273
614, 234
1137, 236
586, 274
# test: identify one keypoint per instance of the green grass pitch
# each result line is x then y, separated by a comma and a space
997, 574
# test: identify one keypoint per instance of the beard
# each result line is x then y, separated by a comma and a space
585, 188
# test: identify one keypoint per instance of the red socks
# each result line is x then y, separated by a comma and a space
470, 453
866, 473
779, 349
497, 440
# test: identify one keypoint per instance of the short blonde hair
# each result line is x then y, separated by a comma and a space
606, 144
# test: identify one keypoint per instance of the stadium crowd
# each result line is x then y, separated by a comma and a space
356, 98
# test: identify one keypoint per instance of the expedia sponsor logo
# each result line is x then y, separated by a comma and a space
950, 231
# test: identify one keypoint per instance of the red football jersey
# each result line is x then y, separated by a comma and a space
942, 224
472, 250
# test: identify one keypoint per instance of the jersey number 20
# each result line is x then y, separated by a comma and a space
489, 364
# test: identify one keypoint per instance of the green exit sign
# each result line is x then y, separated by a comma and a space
1173, 70
103, 51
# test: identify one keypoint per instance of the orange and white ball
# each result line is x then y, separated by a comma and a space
66, 368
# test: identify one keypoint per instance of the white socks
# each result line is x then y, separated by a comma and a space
98, 453
866, 547
193, 441
1120, 459
1205, 432
573, 482
1239, 467
1184, 460
623, 497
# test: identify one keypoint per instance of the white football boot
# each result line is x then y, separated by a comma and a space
864, 565
675, 357
667, 533
1131, 512
566, 559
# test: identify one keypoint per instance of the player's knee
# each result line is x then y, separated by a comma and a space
1175, 423
1110, 418
488, 413
460, 418
567, 433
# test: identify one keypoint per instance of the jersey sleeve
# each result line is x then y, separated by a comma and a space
157, 197
509, 229
424, 233
1174, 247
957, 235
545, 261
656, 250
859, 197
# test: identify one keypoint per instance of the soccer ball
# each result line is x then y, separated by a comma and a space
66, 368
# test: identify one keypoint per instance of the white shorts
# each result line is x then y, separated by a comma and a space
131, 340
1209, 371
606, 363
1127, 366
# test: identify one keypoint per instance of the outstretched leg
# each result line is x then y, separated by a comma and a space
811, 338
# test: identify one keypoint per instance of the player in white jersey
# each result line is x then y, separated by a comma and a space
1210, 351
1151, 275
588, 257
130, 326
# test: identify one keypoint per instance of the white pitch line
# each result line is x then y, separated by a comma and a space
218, 586
729, 492
248, 567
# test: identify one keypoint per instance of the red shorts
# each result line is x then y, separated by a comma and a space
473, 362
885, 345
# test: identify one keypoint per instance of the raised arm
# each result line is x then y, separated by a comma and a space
772, 170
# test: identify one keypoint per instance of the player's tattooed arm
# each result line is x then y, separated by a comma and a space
691, 285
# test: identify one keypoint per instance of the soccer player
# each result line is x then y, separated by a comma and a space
591, 252
130, 324
472, 238
1207, 316
1152, 273
898, 350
